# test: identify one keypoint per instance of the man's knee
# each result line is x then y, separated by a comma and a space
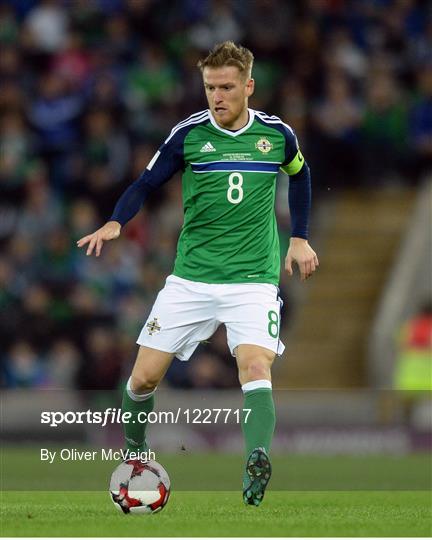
257, 370
142, 384
149, 369
254, 364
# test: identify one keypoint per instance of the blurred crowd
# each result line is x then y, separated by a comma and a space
88, 91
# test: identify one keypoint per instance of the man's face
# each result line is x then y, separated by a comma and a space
227, 94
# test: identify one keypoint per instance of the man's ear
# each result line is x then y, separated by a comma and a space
250, 87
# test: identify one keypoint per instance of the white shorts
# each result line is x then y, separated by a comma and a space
188, 312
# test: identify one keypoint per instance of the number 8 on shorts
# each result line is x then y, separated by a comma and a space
273, 324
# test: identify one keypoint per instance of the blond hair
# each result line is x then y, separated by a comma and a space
229, 54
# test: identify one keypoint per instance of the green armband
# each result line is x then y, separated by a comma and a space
294, 166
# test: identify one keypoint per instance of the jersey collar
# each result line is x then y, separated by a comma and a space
233, 133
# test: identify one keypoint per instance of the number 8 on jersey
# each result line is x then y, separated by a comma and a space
235, 190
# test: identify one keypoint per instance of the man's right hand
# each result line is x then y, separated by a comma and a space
109, 231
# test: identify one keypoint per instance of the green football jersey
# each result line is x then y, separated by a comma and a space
229, 234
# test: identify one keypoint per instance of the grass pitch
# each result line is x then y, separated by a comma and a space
308, 496
23, 470
221, 513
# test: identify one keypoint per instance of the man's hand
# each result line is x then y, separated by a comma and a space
109, 231
300, 252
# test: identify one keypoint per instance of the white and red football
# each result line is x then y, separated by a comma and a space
140, 487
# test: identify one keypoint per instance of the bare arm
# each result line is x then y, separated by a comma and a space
109, 231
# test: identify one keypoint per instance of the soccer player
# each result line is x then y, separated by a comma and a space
228, 263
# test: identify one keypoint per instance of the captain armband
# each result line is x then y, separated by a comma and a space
294, 166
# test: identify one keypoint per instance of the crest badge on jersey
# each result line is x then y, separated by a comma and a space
153, 326
264, 145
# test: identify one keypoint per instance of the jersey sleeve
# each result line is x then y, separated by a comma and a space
165, 163
299, 200
294, 159
299, 191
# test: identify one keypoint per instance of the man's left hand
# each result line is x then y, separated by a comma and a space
301, 253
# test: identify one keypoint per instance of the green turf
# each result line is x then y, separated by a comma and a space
22, 470
221, 514
370, 495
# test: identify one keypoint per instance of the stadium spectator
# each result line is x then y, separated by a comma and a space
24, 367
41, 212
413, 369
62, 364
337, 117
384, 128
72, 63
102, 368
54, 113
46, 26
16, 148
421, 123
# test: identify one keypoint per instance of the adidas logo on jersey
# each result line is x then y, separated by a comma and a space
208, 147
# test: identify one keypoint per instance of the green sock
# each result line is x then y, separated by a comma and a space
134, 430
258, 426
